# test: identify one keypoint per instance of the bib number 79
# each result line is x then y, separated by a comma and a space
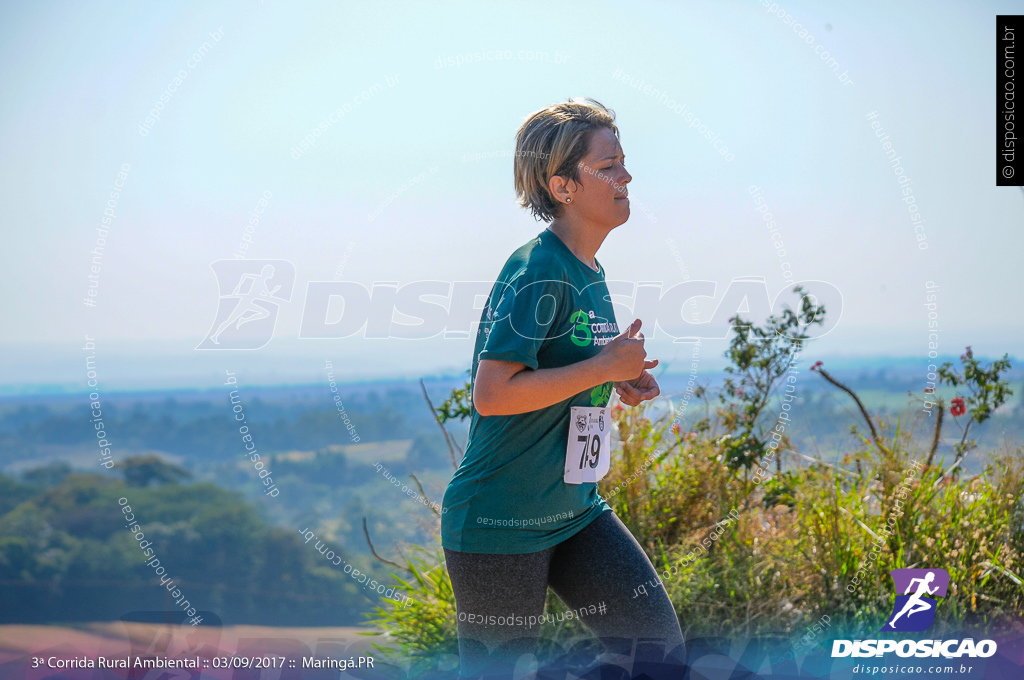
588, 447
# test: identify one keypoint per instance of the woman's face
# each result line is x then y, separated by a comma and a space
600, 196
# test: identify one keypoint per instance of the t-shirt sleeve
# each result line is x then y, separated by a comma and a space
531, 309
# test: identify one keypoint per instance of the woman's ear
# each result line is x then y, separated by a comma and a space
560, 189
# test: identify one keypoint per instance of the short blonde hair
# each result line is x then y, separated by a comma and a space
552, 142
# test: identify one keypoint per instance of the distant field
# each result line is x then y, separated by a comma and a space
367, 453
879, 398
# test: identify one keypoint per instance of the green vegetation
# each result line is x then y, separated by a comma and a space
66, 553
806, 526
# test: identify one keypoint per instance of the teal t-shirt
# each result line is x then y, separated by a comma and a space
547, 309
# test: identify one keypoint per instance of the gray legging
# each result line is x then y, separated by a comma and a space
600, 565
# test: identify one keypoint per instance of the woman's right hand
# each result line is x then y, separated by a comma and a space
624, 356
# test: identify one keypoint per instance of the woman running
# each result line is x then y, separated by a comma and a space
523, 511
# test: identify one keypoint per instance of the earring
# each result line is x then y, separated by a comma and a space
569, 200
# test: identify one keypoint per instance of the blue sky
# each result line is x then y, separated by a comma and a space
80, 78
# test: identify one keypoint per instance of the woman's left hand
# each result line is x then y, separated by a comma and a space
642, 388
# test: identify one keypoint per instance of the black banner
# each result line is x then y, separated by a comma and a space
1008, 163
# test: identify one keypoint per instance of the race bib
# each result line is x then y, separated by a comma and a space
588, 450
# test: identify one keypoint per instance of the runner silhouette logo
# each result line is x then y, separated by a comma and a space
251, 293
914, 609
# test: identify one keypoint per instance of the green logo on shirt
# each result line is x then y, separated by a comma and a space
582, 321
600, 395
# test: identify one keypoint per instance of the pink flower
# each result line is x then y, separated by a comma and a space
738, 393
676, 428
